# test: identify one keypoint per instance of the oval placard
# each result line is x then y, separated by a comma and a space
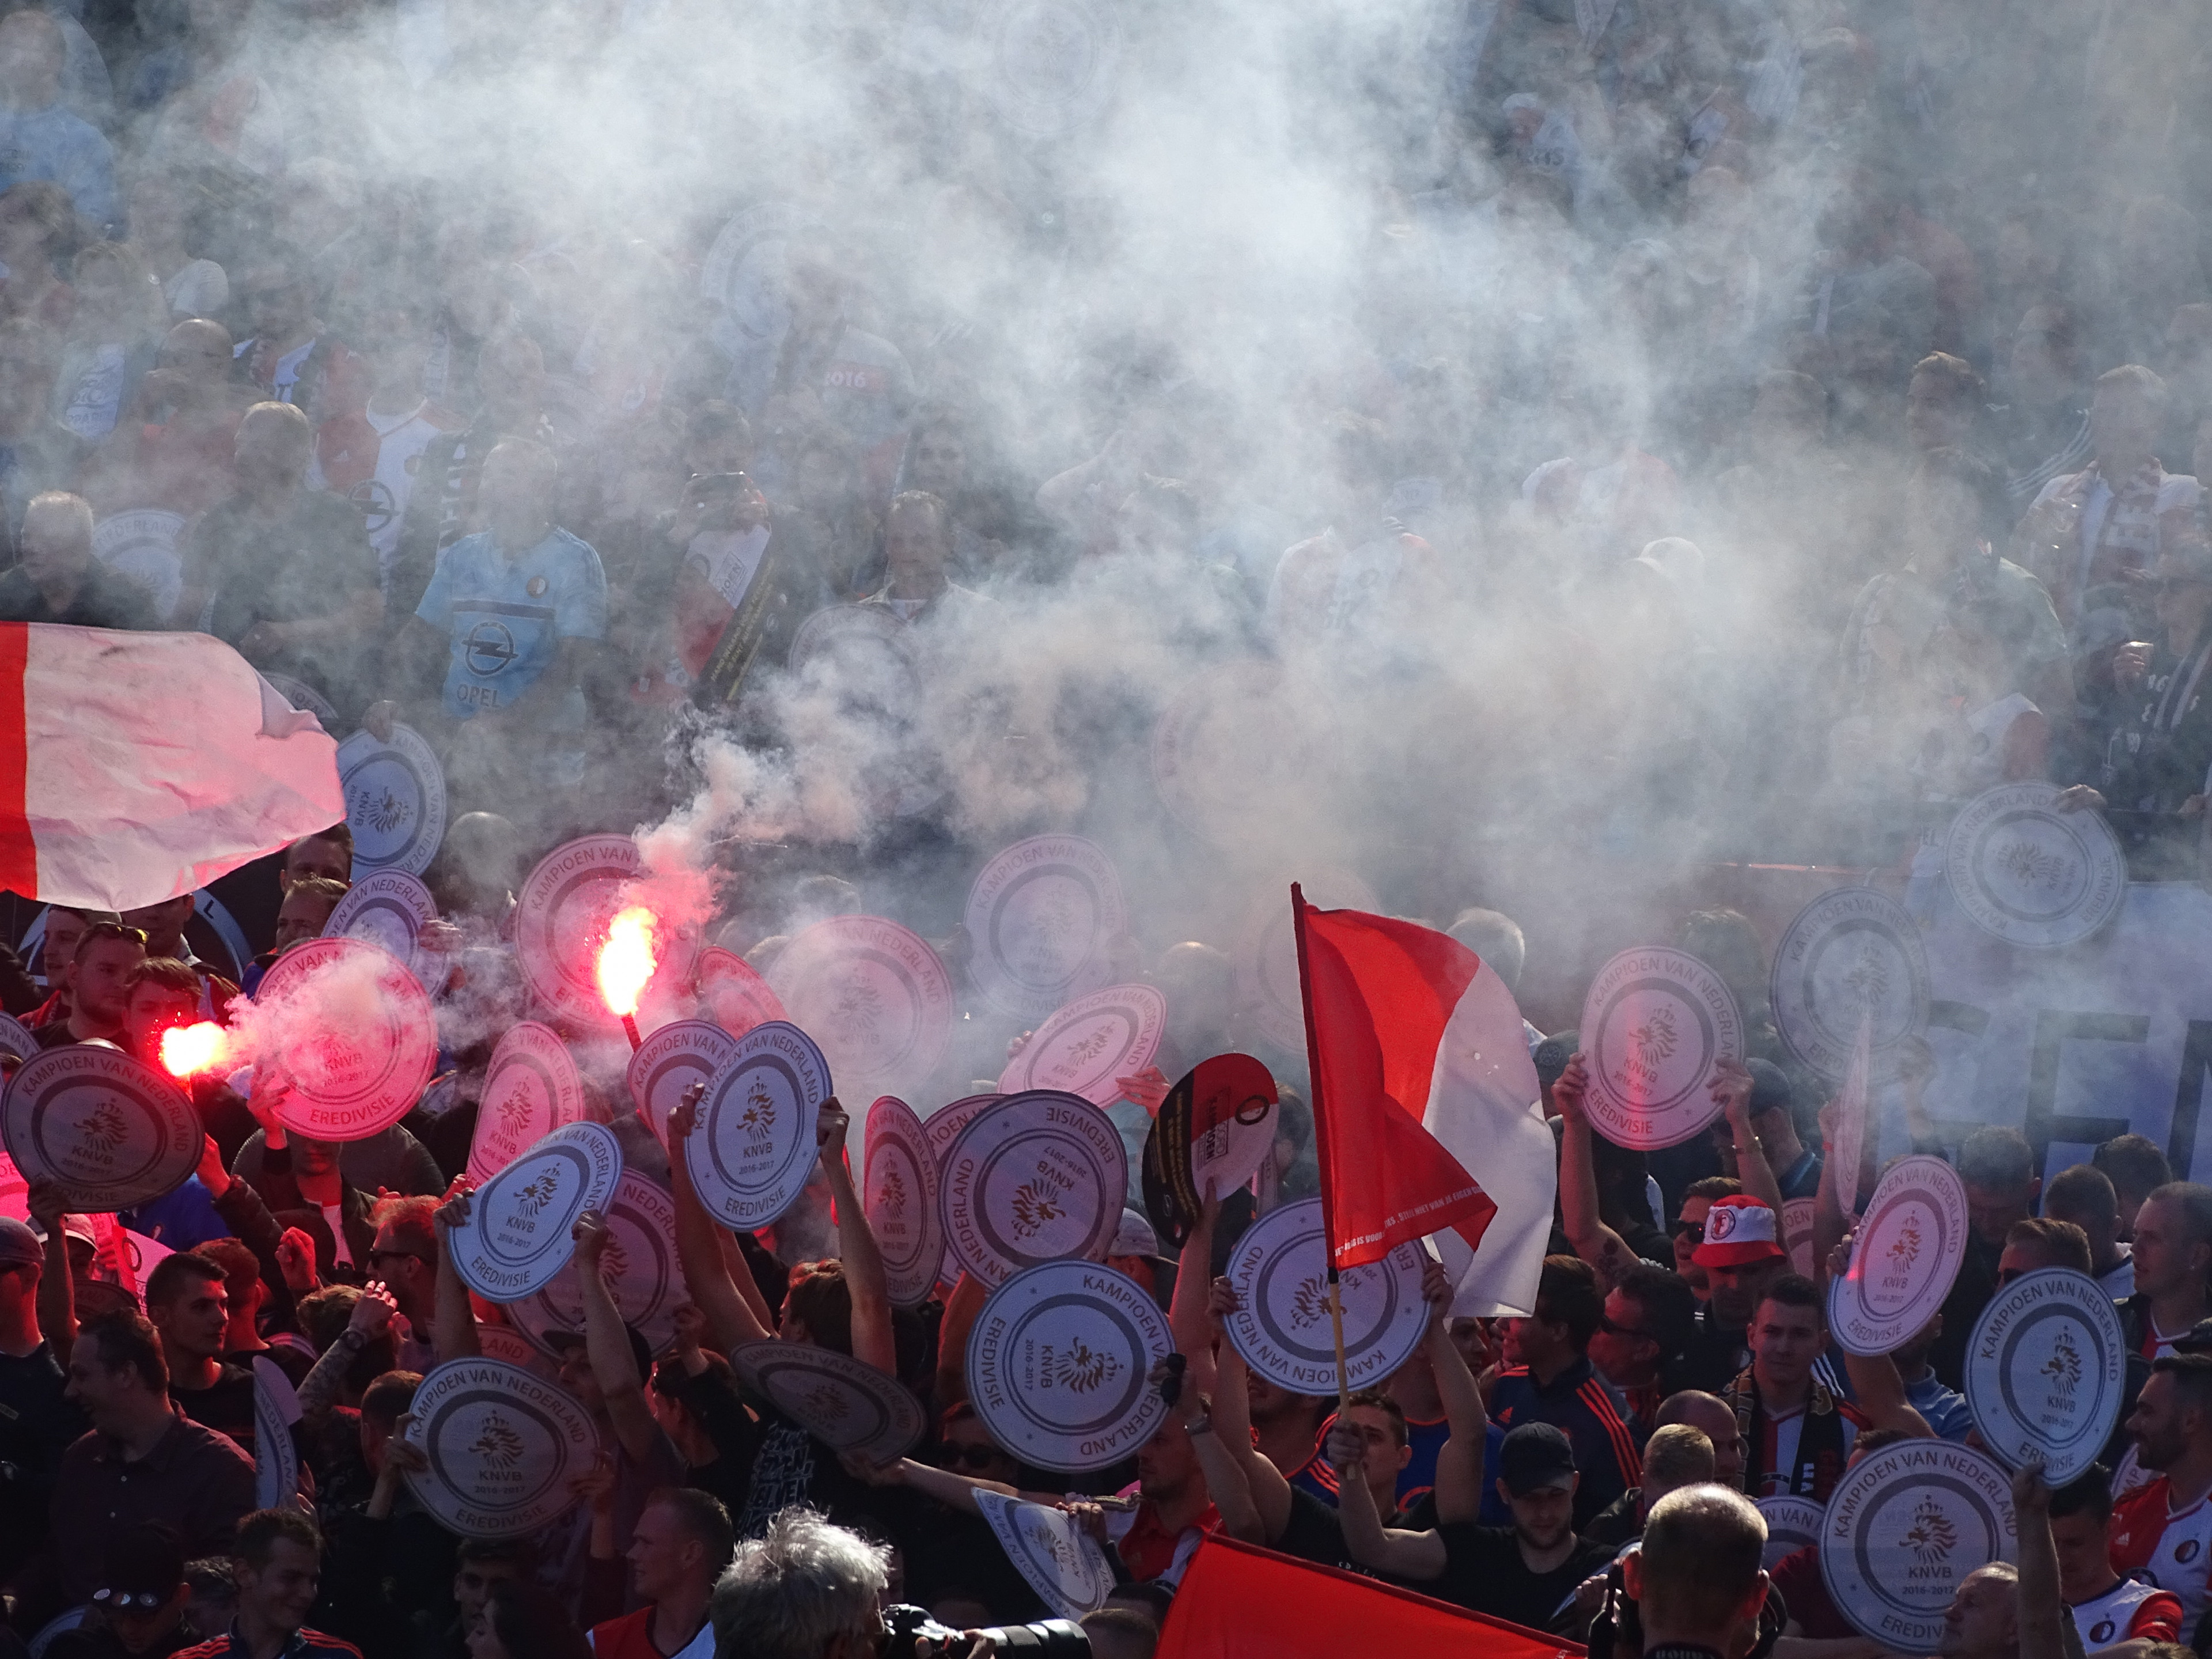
356, 1034
1042, 916
731, 993
1037, 1177
560, 923
1086, 1046
2030, 874
109, 1131
672, 1060
517, 1236
1214, 1128
395, 796
1797, 1235
753, 1151
843, 1403
502, 1446
1792, 1524
2046, 1370
388, 908
16, 1038
1903, 1528
1655, 1026
1057, 1363
530, 1089
1851, 955
874, 995
1280, 1271
899, 1189
1048, 1547
639, 1268
1903, 1260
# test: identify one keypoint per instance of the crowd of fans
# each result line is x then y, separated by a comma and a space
1737, 427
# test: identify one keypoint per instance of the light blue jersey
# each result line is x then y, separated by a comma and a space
507, 616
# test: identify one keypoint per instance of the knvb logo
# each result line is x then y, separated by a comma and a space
757, 1117
1905, 1249
890, 1197
858, 1010
1054, 1548
1931, 1536
102, 1128
534, 1197
1309, 1304
2029, 865
2064, 1368
1652, 1045
1080, 1371
1868, 978
514, 1111
497, 1442
380, 810
1038, 1201
825, 1404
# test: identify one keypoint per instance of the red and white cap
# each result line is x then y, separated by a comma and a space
1738, 1230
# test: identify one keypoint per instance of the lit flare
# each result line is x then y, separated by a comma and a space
187, 1050
626, 960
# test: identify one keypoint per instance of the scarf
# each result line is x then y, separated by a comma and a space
1819, 1460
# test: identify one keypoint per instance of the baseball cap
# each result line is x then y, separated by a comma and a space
144, 1566
19, 1245
1553, 1054
1535, 1456
559, 1342
1738, 1230
1134, 1237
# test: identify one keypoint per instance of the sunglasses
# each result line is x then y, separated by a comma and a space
112, 930
375, 1256
1612, 1328
969, 1458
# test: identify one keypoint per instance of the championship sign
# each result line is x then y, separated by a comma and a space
1214, 1130
1656, 1027
109, 1131
1051, 63
2030, 874
1057, 1364
1903, 1260
2046, 1370
1852, 955
517, 1236
874, 994
1268, 992
844, 1403
1037, 1177
16, 1038
358, 1038
1054, 1556
1792, 1524
560, 923
753, 1151
1085, 1047
899, 1192
944, 1124
1797, 1235
388, 908
1042, 916
672, 1060
731, 993
1902, 1531
1282, 1327
395, 796
502, 1444
530, 1089
276, 1459
638, 1267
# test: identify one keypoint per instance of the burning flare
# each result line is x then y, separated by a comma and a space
187, 1049
626, 959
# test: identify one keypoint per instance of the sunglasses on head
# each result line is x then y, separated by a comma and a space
116, 1600
114, 930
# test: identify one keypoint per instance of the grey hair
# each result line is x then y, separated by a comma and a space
798, 1585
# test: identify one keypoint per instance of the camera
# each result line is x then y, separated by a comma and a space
911, 1633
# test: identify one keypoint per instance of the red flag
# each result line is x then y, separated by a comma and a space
1378, 996
136, 767
1239, 1602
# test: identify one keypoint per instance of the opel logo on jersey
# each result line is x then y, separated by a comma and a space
375, 499
2186, 1551
2101, 1632
491, 648
536, 588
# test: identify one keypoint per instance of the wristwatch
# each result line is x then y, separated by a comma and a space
1202, 1424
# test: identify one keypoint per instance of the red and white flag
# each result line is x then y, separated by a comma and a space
136, 767
1239, 1602
1424, 1102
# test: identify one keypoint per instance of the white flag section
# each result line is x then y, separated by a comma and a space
1484, 1107
1062, 1562
2073, 1045
276, 1460
136, 767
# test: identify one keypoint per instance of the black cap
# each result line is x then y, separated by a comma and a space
1770, 1087
1535, 1455
144, 1566
560, 1341
1553, 1054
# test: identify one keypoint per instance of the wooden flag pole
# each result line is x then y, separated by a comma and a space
1320, 1146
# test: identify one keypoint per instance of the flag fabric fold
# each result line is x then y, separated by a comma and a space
137, 767
1421, 1077
1239, 1601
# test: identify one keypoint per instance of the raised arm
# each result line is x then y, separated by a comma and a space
856, 1243
319, 1390
606, 1345
1460, 1463
1224, 1475
57, 1302
453, 1323
729, 1318
1606, 1250
1829, 1223
1194, 1327
2045, 1627
955, 1491
1412, 1555
1232, 1424
1731, 1086
961, 1309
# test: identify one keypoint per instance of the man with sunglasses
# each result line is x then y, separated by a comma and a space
99, 986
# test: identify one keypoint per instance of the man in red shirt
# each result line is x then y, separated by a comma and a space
2108, 1607
678, 1549
2161, 1531
1173, 1510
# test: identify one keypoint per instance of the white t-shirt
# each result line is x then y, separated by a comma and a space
2120, 1283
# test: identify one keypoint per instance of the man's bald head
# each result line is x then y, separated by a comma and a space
1698, 1579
